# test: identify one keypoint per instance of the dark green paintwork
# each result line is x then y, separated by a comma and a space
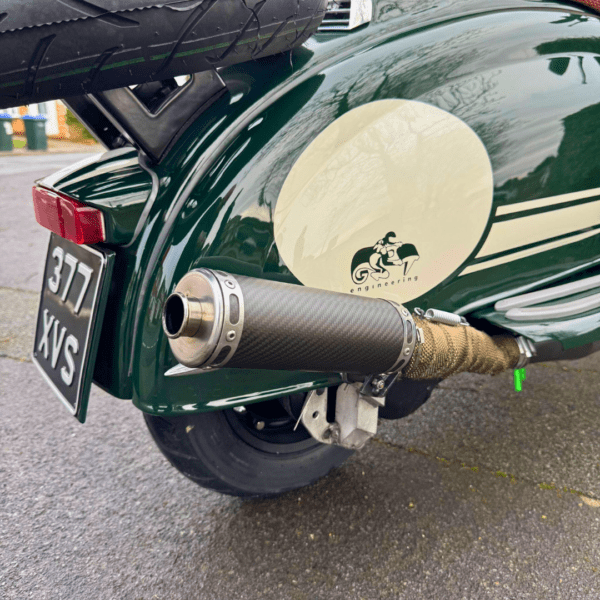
510, 69
116, 184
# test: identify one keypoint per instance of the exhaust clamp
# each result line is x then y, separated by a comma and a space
527, 351
409, 337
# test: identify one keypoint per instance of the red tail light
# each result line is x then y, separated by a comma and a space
68, 218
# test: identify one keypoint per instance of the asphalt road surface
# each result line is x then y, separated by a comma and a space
482, 493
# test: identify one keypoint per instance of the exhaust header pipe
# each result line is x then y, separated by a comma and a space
215, 319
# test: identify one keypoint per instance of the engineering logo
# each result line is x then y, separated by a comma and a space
375, 261
335, 220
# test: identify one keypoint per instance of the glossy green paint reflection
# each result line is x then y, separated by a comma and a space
115, 183
222, 386
226, 222
528, 83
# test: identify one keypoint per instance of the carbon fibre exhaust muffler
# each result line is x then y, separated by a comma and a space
215, 320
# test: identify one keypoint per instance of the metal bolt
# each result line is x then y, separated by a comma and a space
229, 283
239, 409
379, 384
405, 312
407, 352
260, 425
230, 336
334, 430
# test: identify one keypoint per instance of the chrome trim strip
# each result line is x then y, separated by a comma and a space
179, 370
553, 293
532, 285
556, 311
359, 13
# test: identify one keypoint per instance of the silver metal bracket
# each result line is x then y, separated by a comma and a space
356, 415
377, 385
180, 370
356, 411
314, 418
527, 351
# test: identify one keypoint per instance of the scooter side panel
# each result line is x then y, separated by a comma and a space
526, 82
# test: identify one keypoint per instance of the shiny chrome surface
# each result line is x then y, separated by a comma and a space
442, 316
527, 351
196, 350
548, 294
182, 316
204, 319
564, 310
233, 319
410, 338
534, 307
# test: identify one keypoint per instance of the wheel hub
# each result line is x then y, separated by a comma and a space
271, 426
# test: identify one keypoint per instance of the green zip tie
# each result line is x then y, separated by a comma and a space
520, 377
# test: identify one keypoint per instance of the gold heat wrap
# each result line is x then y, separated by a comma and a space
447, 350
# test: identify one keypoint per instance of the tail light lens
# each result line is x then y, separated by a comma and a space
68, 218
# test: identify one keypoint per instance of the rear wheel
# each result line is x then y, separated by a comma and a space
253, 452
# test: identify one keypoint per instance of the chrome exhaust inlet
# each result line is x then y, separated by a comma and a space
203, 318
182, 316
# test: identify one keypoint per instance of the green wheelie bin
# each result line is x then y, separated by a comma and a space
35, 130
6, 132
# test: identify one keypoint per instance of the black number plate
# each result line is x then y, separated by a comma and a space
69, 320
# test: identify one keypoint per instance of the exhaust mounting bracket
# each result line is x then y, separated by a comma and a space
356, 413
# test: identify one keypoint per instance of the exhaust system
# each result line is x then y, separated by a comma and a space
215, 320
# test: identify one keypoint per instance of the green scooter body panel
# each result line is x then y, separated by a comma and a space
518, 73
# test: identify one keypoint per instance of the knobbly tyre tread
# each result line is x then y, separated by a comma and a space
58, 48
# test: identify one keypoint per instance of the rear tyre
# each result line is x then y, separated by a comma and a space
54, 49
252, 453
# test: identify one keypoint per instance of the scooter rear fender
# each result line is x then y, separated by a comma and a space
524, 76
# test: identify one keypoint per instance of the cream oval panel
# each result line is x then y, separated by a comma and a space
387, 201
